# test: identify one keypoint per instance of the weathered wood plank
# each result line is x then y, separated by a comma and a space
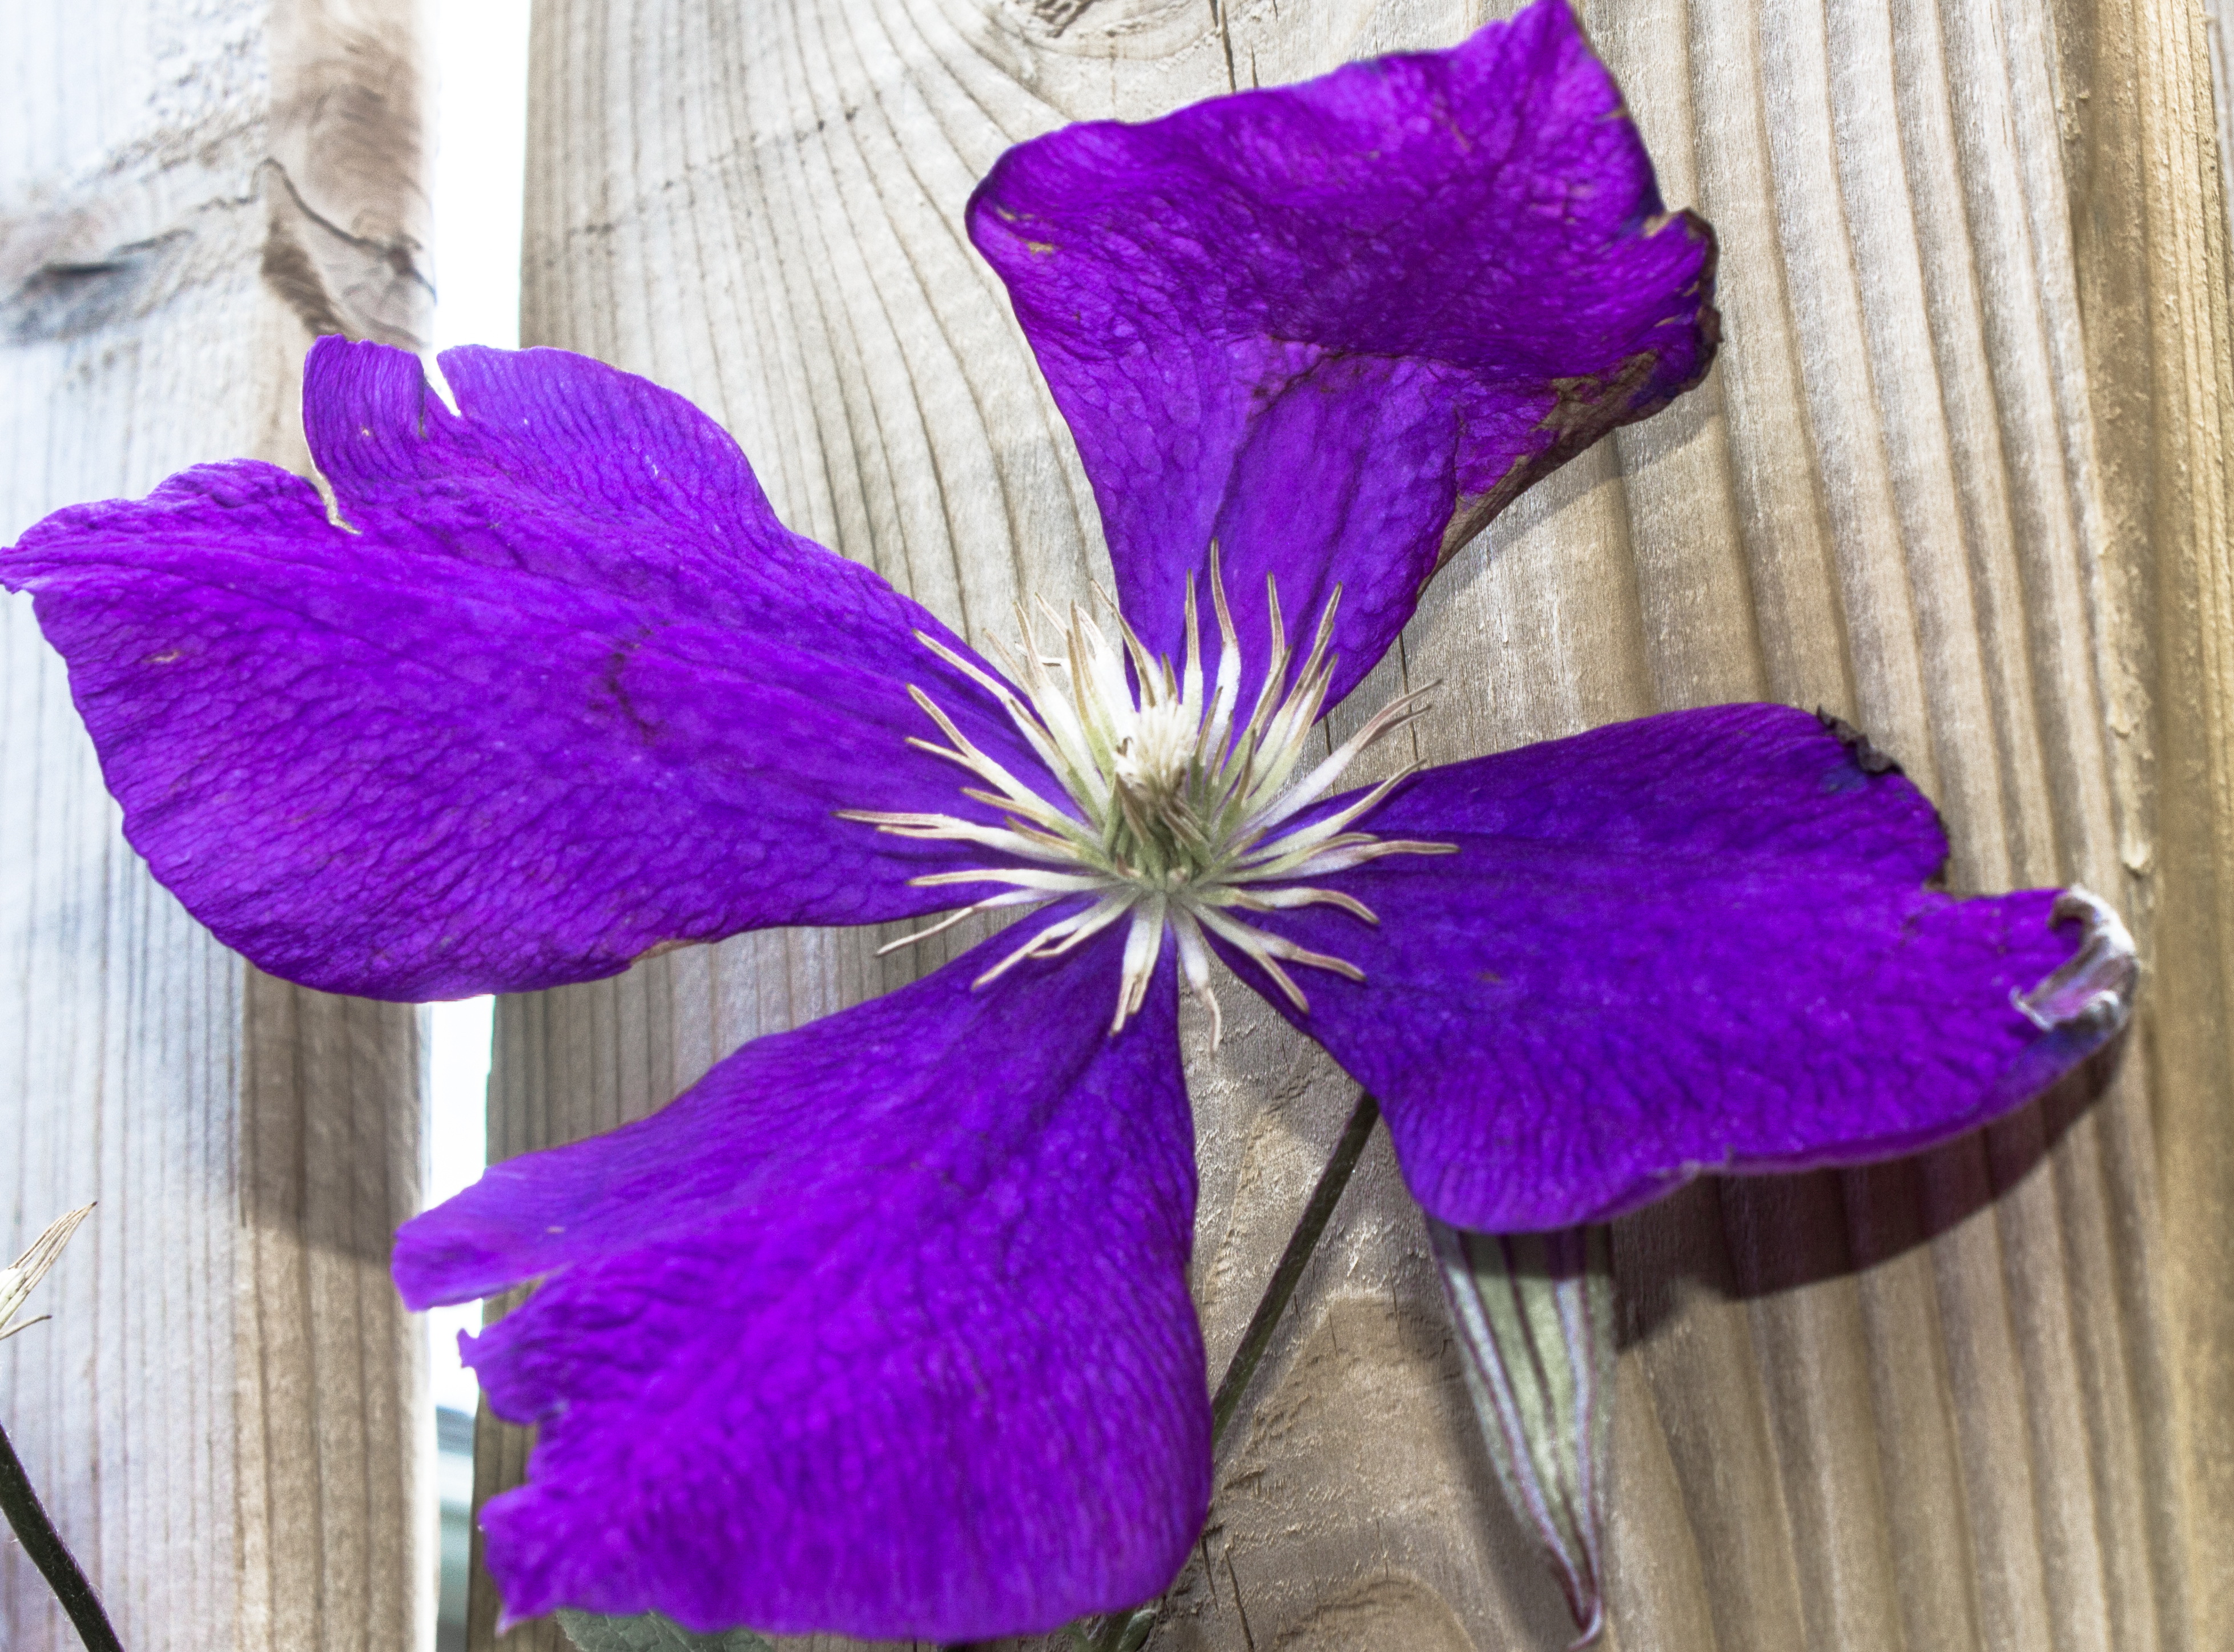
2149, 235
1960, 477
224, 1413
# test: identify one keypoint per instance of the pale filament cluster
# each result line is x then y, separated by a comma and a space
1175, 817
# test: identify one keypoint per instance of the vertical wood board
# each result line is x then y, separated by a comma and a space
224, 1413
1959, 477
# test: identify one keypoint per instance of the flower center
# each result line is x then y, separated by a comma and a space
1173, 819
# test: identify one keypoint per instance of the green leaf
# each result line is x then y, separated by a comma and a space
650, 1633
1535, 1314
15, 1282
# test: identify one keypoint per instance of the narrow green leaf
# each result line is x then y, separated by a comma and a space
650, 1633
1535, 1314
1127, 1632
17, 1281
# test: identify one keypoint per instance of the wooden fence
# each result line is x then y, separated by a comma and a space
1961, 476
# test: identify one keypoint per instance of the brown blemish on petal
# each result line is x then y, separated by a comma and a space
1582, 410
1873, 763
1587, 408
617, 664
1867, 758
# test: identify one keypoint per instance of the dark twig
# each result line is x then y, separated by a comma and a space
1285, 1277
49, 1553
1128, 1631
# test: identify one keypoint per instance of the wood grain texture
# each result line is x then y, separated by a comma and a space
225, 1413
2151, 252
1960, 476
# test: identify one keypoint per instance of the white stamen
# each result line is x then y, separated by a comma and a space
1194, 964
1013, 897
1172, 815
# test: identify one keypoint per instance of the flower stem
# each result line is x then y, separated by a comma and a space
1127, 1632
1281, 1286
49, 1553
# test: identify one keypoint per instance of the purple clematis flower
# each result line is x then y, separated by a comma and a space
884, 1327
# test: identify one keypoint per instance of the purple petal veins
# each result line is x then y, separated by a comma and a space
1314, 325
883, 1324
562, 688
883, 1328
1699, 941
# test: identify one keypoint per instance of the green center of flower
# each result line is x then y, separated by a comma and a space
1176, 820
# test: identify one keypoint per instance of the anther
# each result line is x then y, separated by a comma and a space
1175, 818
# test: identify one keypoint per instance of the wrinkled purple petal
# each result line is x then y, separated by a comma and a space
563, 688
1317, 322
882, 1328
1695, 942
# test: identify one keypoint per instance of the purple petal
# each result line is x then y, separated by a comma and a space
565, 688
1695, 942
883, 1328
1316, 323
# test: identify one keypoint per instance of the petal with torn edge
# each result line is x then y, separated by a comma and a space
882, 1328
562, 689
1694, 942
1319, 324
